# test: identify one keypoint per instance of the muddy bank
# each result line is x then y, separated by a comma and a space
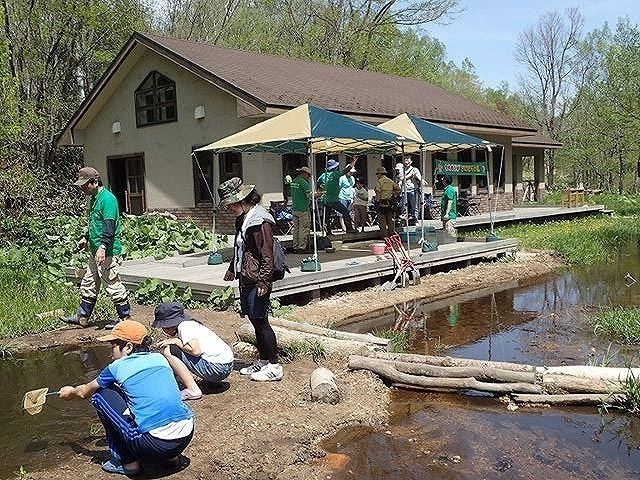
272, 431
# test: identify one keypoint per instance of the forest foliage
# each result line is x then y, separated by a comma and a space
52, 53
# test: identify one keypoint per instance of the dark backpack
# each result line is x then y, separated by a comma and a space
279, 260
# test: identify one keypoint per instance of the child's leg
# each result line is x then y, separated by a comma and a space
180, 370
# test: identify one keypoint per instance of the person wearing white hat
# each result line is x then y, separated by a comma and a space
330, 183
409, 179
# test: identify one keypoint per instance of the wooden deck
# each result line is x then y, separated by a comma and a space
352, 261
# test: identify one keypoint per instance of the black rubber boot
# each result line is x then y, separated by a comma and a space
124, 313
84, 312
123, 309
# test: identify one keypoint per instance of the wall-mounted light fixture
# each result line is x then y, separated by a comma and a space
198, 112
116, 127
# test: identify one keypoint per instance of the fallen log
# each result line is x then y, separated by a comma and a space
323, 386
570, 399
607, 374
327, 332
246, 333
387, 370
452, 362
557, 382
560, 384
479, 373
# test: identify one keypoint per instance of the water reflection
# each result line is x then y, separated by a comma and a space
35, 441
541, 321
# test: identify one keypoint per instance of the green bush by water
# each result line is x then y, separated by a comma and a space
624, 205
618, 323
34, 253
581, 242
25, 294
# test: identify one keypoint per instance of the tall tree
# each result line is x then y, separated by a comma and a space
611, 108
341, 32
56, 50
555, 71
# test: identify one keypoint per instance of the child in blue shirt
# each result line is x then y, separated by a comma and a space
138, 402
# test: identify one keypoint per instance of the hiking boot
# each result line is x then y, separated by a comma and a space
256, 367
272, 372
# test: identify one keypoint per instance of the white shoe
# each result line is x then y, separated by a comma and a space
256, 367
270, 373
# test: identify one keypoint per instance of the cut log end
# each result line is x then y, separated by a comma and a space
323, 386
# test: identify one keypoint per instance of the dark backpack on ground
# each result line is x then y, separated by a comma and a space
321, 242
279, 260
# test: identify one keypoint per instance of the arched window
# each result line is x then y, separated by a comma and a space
156, 100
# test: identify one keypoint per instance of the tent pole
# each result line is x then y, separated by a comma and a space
312, 165
406, 202
423, 165
489, 151
493, 235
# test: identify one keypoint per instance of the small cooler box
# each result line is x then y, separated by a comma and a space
430, 243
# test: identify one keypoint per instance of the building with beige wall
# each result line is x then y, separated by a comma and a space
161, 98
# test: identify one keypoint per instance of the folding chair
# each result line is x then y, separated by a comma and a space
283, 216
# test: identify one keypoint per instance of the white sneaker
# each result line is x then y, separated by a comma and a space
256, 367
270, 373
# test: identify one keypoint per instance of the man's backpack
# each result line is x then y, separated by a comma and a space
279, 260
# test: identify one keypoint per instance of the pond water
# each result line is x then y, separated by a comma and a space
37, 441
472, 436
430, 435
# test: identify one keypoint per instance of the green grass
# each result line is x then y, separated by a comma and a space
399, 340
581, 242
618, 323
24, 294
625, 205
631, 390
298, 349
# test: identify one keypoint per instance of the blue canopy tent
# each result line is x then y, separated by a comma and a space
309, 130
431, 137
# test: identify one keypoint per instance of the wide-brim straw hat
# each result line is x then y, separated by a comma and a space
233, 191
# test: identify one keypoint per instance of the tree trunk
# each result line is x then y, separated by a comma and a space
327, 332
323, 386
452, 362
479, 373
570, 399
387, 370
246, 333
409, 369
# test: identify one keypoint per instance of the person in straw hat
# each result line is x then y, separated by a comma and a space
252, 264
138, 402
